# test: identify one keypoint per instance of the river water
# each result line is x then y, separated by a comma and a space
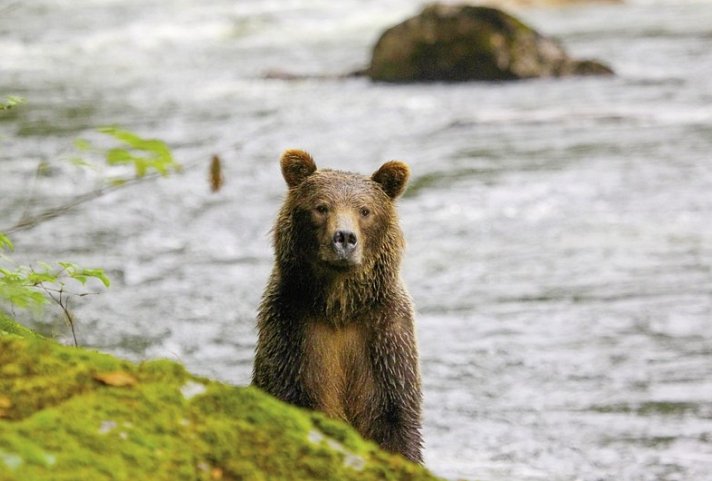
559, 234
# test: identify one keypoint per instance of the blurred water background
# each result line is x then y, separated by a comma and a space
559, 231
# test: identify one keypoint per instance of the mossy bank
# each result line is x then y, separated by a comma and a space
74, 414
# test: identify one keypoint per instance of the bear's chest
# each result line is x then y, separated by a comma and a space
337, 370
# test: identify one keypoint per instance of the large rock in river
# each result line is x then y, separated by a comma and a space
465, 42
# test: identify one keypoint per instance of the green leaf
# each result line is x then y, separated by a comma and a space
10, 102
141, 167
82, 144
17, 290
20, 295
6, 243
122, 135
47, 267
36, 278
117, 156
146, 155
80, 162
97, 274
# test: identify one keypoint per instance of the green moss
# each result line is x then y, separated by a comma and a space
8, 326
73, 414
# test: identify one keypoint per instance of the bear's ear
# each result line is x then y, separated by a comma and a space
297, 165
392, 176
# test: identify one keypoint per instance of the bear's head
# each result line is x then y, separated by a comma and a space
334, 221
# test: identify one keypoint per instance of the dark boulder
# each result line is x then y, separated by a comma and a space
464, 42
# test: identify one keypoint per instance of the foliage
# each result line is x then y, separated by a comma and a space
20, 285
27, 287
5, 243
149, 158
146, 156
10, 102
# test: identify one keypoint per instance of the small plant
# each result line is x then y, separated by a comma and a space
28, 287
32, 287
10, 102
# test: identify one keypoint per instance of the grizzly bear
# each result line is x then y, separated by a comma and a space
335, 324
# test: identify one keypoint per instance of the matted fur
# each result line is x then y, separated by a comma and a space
341, 339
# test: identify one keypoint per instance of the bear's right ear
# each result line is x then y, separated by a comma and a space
297, 165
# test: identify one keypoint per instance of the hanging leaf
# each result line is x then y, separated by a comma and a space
119, 156
217, 179
146, 155
96, 274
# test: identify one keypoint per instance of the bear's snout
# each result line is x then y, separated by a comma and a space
344, 243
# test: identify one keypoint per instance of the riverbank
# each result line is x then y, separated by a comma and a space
74, 413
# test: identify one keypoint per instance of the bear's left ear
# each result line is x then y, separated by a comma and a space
392, 176
297, 165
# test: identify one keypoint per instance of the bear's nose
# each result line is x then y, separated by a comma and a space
344, 242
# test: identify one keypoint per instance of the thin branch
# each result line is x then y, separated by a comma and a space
53, 212
64, 305
5, 9
31, 193
69, 293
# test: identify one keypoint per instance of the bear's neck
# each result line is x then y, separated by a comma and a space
338, 297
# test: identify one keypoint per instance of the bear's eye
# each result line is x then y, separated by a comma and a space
322, 209
365, 212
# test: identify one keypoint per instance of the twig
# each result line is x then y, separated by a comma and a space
69, 293
27, 223
53, 212
9, 7
63, 303
31, 193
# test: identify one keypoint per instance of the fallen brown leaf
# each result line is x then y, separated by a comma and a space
5, 405
116, 378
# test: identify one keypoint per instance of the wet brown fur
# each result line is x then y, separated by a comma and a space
340, 338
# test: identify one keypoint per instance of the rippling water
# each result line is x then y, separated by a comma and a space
559, 231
